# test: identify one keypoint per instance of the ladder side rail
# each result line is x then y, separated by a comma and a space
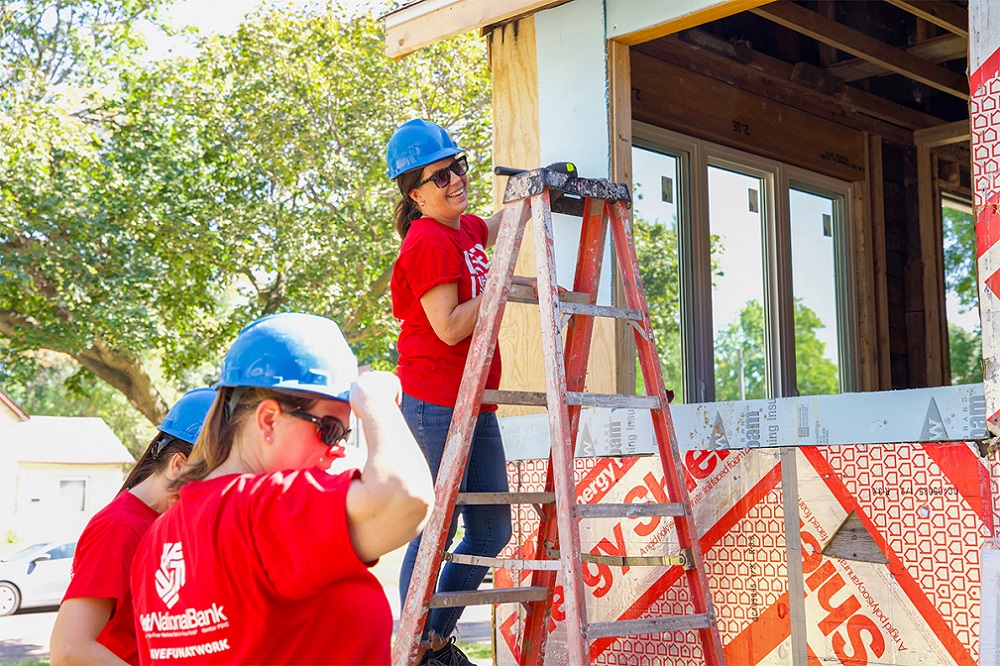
559, 429
456, 450
621, 231
593, 233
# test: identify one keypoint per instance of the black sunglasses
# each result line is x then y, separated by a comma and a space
442, 177
331, 429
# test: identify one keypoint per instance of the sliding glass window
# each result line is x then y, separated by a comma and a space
748, 263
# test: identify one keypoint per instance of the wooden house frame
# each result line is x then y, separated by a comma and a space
872, 94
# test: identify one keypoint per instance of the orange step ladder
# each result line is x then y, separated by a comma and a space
537, 194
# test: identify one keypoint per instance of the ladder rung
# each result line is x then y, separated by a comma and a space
506, 498
504, 563
525, 293
600, 311
616, 400
539, 399
630, 510
488, 597
653, 625
683, 560
533, 398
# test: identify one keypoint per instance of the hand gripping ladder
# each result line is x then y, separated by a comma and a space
600, 203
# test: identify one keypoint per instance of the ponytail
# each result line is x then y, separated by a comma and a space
156, 458
406, 208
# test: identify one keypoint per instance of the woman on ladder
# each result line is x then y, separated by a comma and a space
437, 285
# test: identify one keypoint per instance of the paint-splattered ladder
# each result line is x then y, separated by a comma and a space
600, 203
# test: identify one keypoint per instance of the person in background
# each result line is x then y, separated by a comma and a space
437, 285
265, 556
95, 624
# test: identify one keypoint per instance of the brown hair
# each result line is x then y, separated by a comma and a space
218, 433
156, 458
406, 208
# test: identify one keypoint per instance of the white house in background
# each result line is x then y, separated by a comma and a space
55, 472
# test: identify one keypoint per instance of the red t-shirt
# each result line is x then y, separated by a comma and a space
258, 569
101, 565
431, 254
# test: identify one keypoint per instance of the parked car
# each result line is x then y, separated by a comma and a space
36, 575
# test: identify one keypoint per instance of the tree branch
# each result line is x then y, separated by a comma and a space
125, 373
274, 296
122, 371
375, 291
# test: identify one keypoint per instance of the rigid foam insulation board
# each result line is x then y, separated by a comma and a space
892, 534
891, 538
948, 413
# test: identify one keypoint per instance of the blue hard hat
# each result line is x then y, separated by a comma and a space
416, 144
291, 351
185, 418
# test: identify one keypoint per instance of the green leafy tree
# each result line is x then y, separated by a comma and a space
140, 232
59, 386
965, 347
656, 249
739, 355
47, 43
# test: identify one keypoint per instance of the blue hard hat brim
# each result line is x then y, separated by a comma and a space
319, 392
429, 159
185, 419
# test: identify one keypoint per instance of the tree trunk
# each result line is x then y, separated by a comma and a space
126, 374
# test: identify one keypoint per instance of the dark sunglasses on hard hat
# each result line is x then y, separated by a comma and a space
331, 430
442, 177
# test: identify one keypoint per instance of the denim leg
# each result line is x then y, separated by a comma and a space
487, 528
429, 424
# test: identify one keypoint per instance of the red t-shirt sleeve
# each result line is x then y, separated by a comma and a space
428, 262
300, 530
482, 229
101, 563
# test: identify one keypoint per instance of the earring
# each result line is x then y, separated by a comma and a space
267, 438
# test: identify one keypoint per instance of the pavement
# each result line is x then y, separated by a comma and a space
476, 623
25, 635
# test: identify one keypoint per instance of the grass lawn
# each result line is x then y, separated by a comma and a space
477, 651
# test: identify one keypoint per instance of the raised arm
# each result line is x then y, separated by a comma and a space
388, 506
74, 634
493, 224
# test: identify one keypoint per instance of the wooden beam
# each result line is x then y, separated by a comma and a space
676, 98
423, 23
620, 123
943, 14
875, 190
942, 135
844, 99
936, 50
858, 44
932, 269
712, 12
775, 79
514, 70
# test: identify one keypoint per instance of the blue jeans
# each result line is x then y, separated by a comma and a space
487, 527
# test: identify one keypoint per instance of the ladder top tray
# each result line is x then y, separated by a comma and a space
528, 183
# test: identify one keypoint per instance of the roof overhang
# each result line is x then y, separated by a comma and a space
7, 401
425, 22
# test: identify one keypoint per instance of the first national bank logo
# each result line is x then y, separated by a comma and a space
170, 575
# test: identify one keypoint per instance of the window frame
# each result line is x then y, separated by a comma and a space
694, 158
